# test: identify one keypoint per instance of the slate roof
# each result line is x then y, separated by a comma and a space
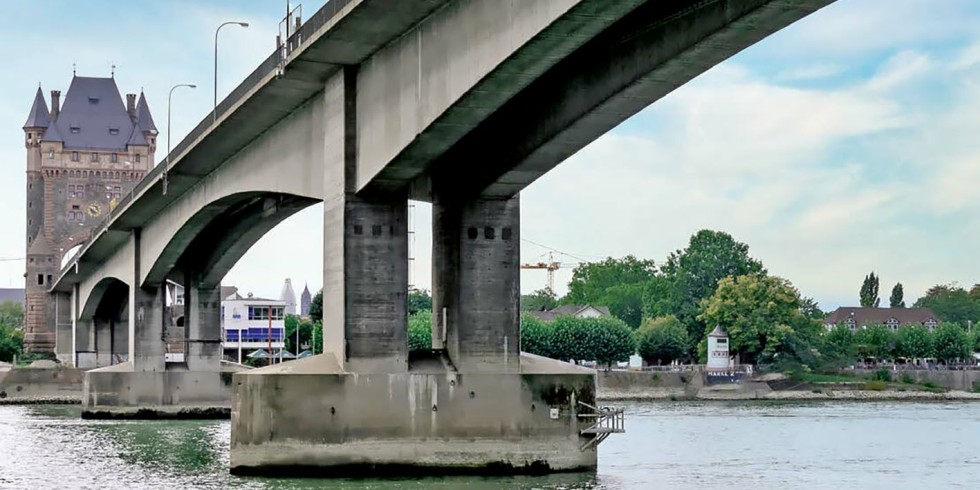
39, 115
15, 295
143, 117
93, 117
567, 310
718, 332
870, 316
136, 138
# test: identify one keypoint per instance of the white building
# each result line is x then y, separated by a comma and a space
249, 324
718, 350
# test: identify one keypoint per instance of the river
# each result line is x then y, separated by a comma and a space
667, 445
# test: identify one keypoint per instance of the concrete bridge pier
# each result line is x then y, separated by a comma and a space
476, 283
146, 386
475, 404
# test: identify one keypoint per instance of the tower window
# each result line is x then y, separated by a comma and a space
74, 156
49, 278
114, 158
71, 191
51, 155
40, 279
137, 158
29, 135
95, 157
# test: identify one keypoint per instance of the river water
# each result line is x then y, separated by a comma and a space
667, 445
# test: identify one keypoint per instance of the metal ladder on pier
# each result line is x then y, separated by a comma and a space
607, 420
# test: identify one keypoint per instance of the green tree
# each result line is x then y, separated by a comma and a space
11, 315
975, 339
420, 331
11, 343
760, 314
837, 345
869, 291
951, 343
605, 339
875, 341
694, 272
614, 340
951, 304
616, 283
810, 309
418, 300
540, 300
536, 336
293, 323
571, 339
316, 307
914, 342
662, 340
897, 299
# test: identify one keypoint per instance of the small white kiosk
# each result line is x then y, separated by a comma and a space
718, 350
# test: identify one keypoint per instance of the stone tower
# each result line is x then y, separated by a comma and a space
289, 297
304, 302
81, 159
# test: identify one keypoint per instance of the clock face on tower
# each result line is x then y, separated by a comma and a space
94, 209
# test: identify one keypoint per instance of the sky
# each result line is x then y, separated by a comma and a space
844, 144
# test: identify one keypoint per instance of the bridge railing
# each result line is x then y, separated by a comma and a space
232, 100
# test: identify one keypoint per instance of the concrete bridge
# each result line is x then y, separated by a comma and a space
462, 103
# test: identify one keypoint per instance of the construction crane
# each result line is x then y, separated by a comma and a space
551, 266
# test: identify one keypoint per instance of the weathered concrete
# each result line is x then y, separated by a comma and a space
309, 415
476, 283
120, 392
29, 384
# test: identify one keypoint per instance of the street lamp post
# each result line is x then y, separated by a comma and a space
214, 113
170, 99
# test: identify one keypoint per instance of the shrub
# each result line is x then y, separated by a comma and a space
875, 385
536, 336
908, 379
420, 331
881, 375
976, 386
605, 340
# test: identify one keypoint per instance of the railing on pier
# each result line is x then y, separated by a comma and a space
607, 420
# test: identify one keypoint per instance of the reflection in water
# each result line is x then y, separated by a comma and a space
667, 445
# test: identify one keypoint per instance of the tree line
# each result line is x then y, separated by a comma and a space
714, 281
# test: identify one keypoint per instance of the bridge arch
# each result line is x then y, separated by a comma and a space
216, 237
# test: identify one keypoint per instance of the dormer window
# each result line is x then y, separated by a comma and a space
114, 131
75, 129
93, 100
95, 157
114, 158
74, 156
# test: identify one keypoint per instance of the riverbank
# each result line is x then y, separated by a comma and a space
658, 386
663, 394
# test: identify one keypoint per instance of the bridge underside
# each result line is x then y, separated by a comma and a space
460, 103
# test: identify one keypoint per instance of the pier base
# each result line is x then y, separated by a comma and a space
118, 392
309, 417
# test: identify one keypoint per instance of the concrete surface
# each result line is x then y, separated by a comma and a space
120, 392
34, 384
308, 416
